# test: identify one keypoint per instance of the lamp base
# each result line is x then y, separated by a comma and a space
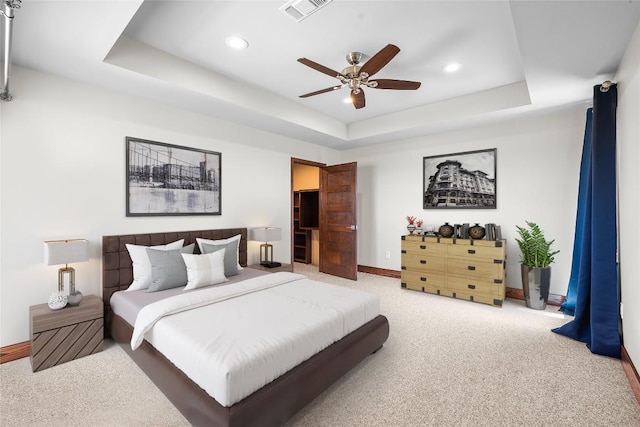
74, 298
271, 264
57, 300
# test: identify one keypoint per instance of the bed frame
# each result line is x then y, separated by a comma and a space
271, 405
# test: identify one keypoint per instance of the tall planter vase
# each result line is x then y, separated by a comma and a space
535, 285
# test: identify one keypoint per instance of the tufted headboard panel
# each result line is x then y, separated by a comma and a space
117, 269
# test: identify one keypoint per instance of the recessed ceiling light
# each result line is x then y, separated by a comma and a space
452, 68
347, 100
235, 42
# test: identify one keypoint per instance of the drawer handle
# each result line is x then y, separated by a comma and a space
470, 286
423, 279
471, 251
423, 246
471, 267
423, 261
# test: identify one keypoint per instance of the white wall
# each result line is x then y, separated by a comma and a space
628, 135
538, 161
62, 176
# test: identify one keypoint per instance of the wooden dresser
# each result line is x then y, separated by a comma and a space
468, 269
58, 336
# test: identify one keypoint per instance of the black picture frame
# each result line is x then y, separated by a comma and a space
166, 180
465, 180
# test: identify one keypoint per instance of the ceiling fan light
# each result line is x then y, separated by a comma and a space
236, 42
451, 68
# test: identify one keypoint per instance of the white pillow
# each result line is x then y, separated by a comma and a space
220, 242
142, 265
204, 270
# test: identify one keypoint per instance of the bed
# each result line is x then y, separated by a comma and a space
272, 404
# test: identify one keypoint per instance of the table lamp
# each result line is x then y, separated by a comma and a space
266, 235
58, 252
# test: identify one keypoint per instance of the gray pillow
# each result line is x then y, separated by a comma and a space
230, 255
168, 269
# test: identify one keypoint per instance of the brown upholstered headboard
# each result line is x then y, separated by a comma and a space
117, 269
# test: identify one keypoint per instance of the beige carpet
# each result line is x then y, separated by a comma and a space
447, 363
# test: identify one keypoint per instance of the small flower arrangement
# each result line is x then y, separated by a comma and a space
414, 223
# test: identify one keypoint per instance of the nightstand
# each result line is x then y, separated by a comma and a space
283, 267
58, 336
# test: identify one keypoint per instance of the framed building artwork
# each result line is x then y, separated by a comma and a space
165, 179
464, 180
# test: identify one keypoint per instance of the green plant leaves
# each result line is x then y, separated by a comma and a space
535, 250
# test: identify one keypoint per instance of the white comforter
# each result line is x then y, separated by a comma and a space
233, 340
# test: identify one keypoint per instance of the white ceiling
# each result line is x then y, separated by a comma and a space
517, 57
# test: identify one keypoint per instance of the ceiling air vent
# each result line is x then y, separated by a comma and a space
300, 9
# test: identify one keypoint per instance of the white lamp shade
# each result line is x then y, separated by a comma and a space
266, 234
66, 251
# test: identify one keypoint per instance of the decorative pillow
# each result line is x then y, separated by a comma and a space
204, 270
141, 264
230, 255
168, 269
221, 241
188, 249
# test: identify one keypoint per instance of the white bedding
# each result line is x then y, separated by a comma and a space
244, 336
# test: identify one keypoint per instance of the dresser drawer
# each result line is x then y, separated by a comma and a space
427, 248
425, 282
432, 264
479, 270
476, 287
483, 253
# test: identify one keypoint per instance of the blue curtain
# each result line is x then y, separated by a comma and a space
582, 239
593, 286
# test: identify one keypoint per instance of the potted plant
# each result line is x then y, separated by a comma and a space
536, 258
411, 226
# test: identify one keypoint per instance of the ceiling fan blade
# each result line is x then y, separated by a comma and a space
326, 70
380, 59
357, 98
397, 84
318, 92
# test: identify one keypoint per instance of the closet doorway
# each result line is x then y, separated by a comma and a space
323, 216
305, 214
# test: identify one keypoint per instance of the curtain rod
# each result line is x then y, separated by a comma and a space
7, 13
604, 87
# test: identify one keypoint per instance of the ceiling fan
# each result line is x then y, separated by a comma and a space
357, 76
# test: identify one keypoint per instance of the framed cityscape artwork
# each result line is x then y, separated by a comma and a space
464, 180
164, 179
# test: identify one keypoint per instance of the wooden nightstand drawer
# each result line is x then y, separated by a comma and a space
67, 334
